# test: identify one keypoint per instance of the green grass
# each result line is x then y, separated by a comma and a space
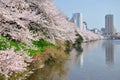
40, 44
33, 52
6, 43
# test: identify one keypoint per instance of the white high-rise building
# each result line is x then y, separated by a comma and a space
109, 25
77, 18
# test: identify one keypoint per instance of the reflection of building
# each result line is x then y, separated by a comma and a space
109, 53
76, 57
79, 59
109, 25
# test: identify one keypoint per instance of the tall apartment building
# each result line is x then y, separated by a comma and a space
109, 25
77, 18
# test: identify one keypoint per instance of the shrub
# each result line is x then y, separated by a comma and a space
78, 42
68, 46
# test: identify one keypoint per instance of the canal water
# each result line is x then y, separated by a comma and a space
100, 60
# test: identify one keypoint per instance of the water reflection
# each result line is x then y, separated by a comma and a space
109, 50
107, 45
79, 59
57, 71
90, 45
76, 57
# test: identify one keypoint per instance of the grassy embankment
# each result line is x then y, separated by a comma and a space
40, 45
48, 50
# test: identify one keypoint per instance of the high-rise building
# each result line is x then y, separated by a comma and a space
77, 18
109, 25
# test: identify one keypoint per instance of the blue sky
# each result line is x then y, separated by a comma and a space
94, 11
